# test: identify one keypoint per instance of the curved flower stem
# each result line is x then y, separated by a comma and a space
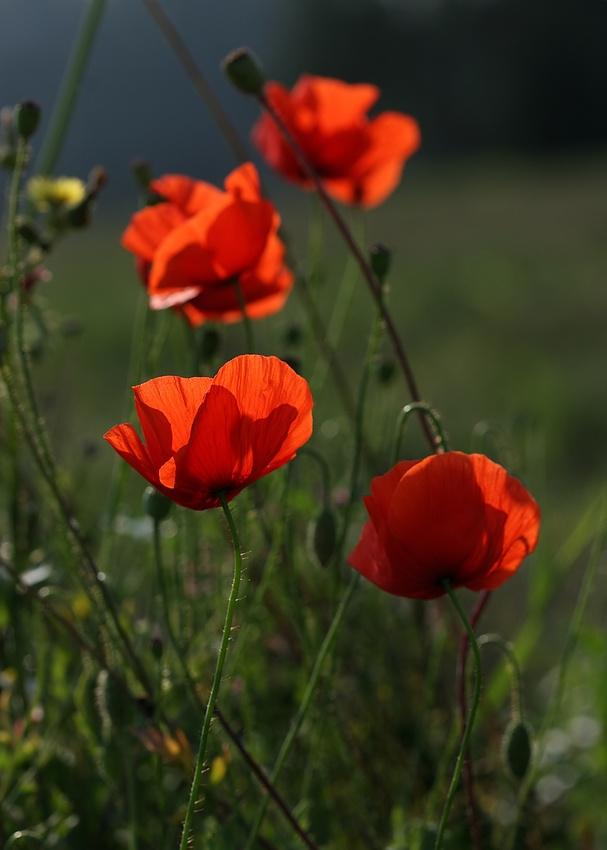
324, 471
441, 443
299, 718
225, 639
468, 770
197, 79
372, 282
469, 724
516, 689
69, 88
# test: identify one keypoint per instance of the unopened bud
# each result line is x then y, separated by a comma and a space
142, 173
293, 334
324, 536
210, 341
244, 70
156, 647
516, 748
155, 504
385, 369
26, 116
381, 258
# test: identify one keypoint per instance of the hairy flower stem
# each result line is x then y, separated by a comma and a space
469, 724
253, 766
16, 374
70, 84
372, 282
468, 770
225, 639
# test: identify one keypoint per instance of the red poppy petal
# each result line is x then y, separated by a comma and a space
187, 194
269, 140
215, 458
149, 227
261, 384
392, 139
184, 258
237, 237
220, 303
437, 512
335, 104
166, 408
391, 136
505, 494
126, 441
244, 183
370, 559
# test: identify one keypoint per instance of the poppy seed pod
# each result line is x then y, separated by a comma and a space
243, 69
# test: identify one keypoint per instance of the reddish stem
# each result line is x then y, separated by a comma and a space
362, 261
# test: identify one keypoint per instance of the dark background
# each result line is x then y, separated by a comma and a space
510, 76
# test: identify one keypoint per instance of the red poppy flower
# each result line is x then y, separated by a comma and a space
359, 160
202, 250
451, 516
206, 435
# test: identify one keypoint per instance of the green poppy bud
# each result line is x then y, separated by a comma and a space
381, 258
210, 341
155, 504
26, 116
244, 70
323, 536
516, 747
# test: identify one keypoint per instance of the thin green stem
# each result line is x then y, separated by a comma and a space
225, 639
471, 715
248, 327
299, 718
70, 84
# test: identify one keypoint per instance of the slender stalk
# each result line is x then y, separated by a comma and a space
197, 79
68, 93
225, 639
467, 732
367, 272
468, 769
248, 327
